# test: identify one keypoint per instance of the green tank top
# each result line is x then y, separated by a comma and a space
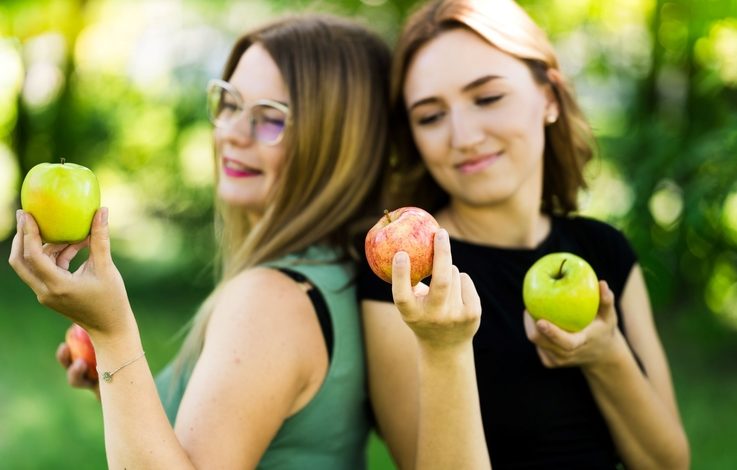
331, 431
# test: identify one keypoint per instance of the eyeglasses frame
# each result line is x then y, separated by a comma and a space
241, 103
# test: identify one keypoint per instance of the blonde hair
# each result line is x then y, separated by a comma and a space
336, 73
505, 25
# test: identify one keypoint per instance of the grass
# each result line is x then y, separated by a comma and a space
44, 423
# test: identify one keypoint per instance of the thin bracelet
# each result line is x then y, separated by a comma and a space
108, 376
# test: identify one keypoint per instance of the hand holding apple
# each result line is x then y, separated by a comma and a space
408, 229
63, 198
445, 315
80, 347
599, 343
92, 296
563, 289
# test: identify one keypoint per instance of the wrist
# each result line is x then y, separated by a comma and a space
614, 357
446, 354
116, 333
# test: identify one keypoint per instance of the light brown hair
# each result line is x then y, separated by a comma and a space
505, 25
336, 73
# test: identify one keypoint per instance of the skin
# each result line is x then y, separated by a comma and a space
255, 370
256, 76
482, 140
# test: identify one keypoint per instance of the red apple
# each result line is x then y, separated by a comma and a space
80, 346
408, 229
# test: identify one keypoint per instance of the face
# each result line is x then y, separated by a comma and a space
248, 164
477, 116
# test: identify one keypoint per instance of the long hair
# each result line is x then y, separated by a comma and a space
336, 73
505, 25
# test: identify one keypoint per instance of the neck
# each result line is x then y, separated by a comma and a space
508, 226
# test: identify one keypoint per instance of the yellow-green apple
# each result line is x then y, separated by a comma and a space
63, 198
563, 289
408, 229
80, 346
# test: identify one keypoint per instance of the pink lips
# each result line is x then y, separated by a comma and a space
478, 163
235, 169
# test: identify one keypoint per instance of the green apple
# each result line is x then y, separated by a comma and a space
563, 289
63, 198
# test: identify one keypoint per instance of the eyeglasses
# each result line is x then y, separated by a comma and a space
267, 118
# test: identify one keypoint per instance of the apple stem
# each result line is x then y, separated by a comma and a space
63, 160
560, 270
386, 214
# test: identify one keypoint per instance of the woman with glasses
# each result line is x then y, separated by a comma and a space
271, 374
491, 130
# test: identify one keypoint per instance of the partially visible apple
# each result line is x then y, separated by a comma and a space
63, 198
80, 346
408, 229
563, 289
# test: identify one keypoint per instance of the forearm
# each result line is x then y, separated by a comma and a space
645, 430
451, 433
137, 431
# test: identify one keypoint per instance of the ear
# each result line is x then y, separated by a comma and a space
552, 109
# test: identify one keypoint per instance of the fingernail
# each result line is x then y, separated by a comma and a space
20, 218
401, 258
103, 215
441, 234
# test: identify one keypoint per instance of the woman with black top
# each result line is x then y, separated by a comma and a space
492, 135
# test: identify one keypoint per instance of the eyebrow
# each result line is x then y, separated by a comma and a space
466, 88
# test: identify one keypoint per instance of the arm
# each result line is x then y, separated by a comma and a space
445, 409
241, 358
640, 410
391, 356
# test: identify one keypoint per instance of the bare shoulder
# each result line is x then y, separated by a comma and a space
263, 298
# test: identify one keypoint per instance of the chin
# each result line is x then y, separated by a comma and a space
237, 197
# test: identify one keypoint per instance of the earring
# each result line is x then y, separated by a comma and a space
551, 118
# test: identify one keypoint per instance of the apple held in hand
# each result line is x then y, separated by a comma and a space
63, 198
80, 346
563, 289
408, 229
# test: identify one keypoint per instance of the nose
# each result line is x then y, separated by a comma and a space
466, 132
238, 130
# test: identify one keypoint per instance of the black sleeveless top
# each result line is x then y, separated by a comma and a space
533, 417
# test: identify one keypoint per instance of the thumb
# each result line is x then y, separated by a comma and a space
100, 236
606, 301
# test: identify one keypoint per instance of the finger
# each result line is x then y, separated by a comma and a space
536, 336
455, 291
469, 296
67, 255
442, 273
606, 302
63, 355
546, 358
17, 260
530, 328
100, 237
560, 338
37, 261
401, 284
420, 289
76, 374
53, 249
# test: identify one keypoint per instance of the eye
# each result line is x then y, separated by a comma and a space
488, 100
428, 119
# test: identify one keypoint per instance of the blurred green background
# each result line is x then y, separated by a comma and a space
118, 86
